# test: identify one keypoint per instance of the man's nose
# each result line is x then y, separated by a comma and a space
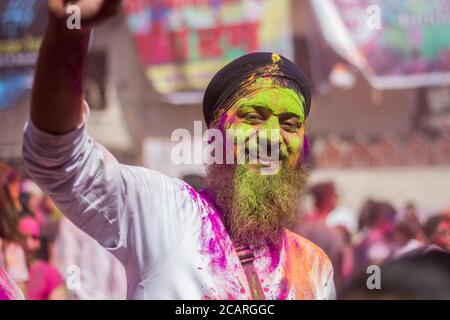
269, 136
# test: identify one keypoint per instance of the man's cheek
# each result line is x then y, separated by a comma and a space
295, 145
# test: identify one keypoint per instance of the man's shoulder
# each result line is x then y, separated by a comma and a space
306, 248
154, 178
151, 185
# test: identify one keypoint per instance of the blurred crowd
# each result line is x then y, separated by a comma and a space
48, 258
380, 235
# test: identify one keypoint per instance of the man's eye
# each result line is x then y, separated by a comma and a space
291, 126
252, 117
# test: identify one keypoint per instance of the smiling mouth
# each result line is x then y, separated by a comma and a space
264, 161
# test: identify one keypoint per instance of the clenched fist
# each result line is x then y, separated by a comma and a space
92, 12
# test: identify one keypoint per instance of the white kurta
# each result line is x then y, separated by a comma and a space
169, 239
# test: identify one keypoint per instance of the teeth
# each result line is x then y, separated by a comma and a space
265, 162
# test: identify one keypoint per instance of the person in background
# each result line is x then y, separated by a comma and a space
50, 231
314, 228
103, 278
38, 205
409, 238
423, 276
11, 183
377, 223
325, 201
45, 281
411, 216
8, 288
437, 230
30, 200
12, 257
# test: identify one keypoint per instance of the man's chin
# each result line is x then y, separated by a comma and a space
256, 208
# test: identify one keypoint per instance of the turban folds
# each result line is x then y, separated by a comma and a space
239, 74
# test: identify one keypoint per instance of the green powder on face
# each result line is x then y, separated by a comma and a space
266, 94
278, 100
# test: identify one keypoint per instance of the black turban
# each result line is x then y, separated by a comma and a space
242, 71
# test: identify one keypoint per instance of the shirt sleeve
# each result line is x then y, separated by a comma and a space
139, 215
83, 179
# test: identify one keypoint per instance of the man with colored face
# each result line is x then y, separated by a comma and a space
229, 241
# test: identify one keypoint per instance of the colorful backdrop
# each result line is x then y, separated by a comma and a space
183, 43
22, 25
411, 47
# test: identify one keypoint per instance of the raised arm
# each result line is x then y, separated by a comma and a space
84, 180
56, 105
125, 208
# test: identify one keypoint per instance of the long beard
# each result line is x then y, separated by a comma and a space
256, 208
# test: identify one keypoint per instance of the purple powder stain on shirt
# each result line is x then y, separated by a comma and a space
192, 192
215, 244
214, 237
275, 253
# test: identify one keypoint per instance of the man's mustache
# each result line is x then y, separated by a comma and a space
269, 155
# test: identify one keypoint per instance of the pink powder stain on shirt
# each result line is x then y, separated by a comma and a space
215, 237
219, 247
284, 289
216, 242
275, 253
194, 195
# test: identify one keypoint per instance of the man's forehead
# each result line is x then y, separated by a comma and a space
276, 99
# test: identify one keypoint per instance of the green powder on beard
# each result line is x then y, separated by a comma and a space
263, 205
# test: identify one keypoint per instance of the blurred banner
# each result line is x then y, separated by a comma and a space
22, 26
396, 43
182, 43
